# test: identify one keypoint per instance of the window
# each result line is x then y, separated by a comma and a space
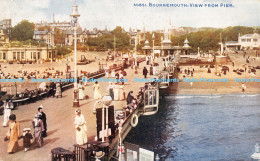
50, 54
18, 55
22, 55
1, 55
255, 40
150, 97
243, 40
248, 40
4, 56
34, 55
39, 55
14, 55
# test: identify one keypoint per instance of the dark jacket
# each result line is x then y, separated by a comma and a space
145, 71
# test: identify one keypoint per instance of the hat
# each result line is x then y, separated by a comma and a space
77, 111
26, 129
40, 107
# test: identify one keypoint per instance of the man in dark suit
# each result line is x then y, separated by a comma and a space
44, 120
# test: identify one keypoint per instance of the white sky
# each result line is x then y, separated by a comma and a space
112, 13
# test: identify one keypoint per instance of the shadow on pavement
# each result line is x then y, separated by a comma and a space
51, 132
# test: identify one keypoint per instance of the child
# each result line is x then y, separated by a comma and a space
27, 138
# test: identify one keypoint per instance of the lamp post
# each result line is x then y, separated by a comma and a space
107, 100
153, 46
120, 147
135, 50
75, 16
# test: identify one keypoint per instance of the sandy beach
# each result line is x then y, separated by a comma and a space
232, 86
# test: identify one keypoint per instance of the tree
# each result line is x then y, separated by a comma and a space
209, 39
59, 36
23, 31
106, 41
62, 50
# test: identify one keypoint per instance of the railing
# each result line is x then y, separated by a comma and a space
92, 150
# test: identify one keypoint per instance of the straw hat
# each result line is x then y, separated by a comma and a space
26, 129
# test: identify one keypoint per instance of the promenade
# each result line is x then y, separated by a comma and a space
60, 119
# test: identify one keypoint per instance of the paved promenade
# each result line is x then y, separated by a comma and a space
60, 119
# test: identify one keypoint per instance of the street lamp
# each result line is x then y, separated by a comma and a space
153, 46
106, 101
74, 15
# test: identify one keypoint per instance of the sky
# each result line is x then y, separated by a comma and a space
112, 13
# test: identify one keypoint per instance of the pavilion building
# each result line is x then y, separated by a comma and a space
166, 47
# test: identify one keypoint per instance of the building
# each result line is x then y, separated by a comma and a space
132, 35
5, 30
64, 25
26, 53
248, 41
95, 33
136, 34
4, 36
82, 37
46, 37
166, 47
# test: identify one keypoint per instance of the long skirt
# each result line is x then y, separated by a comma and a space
12, 146
97, 94
81, 135
81, 94
116, 94
121, 94
58, 92
7, 113
38, 136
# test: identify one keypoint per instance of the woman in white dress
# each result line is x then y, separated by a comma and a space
81, 91
154, 70
113, 73
8, 106
121, 92
97, 92
116, 92
81, 128
106, 72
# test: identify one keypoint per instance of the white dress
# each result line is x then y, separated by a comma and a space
81, 92
7, 113
116, 92
81, 135
113, 74
106, 74
97, 92
154, 70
